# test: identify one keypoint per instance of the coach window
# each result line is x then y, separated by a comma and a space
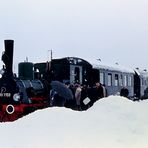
109, 79
101, 77
144, 81
125, 80
77, 74
141, 81
116, 80
147, 81
129, 81
121, 80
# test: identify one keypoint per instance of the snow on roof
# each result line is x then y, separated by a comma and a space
144, 72
113, 122
113, 67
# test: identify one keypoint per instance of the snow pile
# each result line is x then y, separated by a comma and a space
113, 122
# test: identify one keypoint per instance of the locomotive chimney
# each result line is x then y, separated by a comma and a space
7, 56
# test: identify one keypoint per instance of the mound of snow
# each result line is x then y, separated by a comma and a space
112, 122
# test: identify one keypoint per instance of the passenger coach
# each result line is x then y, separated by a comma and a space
68, 69
115, 77
141, 83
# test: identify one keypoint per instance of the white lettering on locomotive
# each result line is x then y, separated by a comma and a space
5, 95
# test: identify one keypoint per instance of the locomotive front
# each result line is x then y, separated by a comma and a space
18, 97
8, 87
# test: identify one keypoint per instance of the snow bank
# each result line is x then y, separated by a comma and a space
113, 122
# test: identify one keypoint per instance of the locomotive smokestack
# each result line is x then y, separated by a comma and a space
7, 56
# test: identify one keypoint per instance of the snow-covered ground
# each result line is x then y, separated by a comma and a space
113, 122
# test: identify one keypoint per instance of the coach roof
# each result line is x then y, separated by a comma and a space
113, 67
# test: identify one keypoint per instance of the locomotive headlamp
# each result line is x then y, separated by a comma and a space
10, 109
16, 97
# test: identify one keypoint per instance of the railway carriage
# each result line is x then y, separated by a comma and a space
141, 83
115, 77
68, 69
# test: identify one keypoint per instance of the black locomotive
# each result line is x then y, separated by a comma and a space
30, 90
19, 96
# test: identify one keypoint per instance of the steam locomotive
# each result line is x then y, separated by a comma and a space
19, 97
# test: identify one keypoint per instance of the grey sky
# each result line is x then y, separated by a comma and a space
113, 30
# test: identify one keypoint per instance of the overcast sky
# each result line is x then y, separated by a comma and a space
113, 30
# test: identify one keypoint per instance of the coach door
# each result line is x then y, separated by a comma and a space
75, 74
